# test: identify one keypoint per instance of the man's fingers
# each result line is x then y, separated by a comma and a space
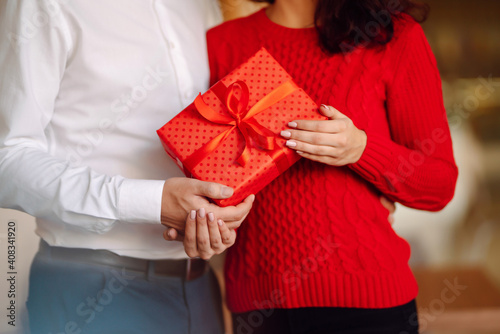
234, 215
174, 234
213, 190
171, 234
166, 235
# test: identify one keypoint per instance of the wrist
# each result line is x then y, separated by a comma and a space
361, 145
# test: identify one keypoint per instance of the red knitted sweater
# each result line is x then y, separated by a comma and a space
318, 235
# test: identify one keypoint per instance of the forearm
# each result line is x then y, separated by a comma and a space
47, 187
422, 178
415, 164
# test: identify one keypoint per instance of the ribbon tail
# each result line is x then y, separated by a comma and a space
273, 97
245, 155
208, 148
211, 115
249, 127
281, 159
263, 137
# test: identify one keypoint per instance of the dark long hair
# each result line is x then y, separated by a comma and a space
343, 25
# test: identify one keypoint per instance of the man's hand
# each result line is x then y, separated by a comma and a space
181, 195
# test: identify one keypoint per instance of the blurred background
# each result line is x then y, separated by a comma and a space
459, 246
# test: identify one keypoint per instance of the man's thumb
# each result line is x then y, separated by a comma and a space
214, 190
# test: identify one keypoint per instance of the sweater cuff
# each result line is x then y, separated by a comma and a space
140, 201
376, 158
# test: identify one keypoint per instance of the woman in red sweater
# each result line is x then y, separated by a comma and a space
317, 254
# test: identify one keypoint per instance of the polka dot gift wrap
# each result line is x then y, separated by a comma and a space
231, 133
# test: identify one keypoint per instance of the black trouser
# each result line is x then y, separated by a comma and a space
329, 320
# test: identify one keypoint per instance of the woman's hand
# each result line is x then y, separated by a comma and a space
336, 141
204, 236
390, 206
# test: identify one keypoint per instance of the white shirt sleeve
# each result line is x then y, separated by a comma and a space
35, 46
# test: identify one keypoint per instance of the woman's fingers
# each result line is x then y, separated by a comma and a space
205, 235
321, 150
228, 236
325, 126
330, 112
316, 138
190, 240
390, 206
336, 122
336, 141
202, 235
215, 236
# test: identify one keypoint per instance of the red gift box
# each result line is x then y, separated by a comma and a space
231, 134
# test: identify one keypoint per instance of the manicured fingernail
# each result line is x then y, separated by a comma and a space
252, 198
325, 106
286, 134
299, 152
226, 192
292, 124
220, 222
201, 213
291, 143
192, 214
171, 233
211, 217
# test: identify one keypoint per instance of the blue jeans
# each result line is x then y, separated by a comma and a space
79, 298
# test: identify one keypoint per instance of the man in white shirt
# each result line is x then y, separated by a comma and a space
84, 86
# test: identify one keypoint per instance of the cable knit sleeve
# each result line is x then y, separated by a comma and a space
416, 166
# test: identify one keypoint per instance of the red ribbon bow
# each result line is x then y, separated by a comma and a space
235, 98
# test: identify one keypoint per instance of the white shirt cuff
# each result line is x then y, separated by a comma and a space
140, 201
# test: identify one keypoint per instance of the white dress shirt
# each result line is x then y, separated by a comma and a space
84, 86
